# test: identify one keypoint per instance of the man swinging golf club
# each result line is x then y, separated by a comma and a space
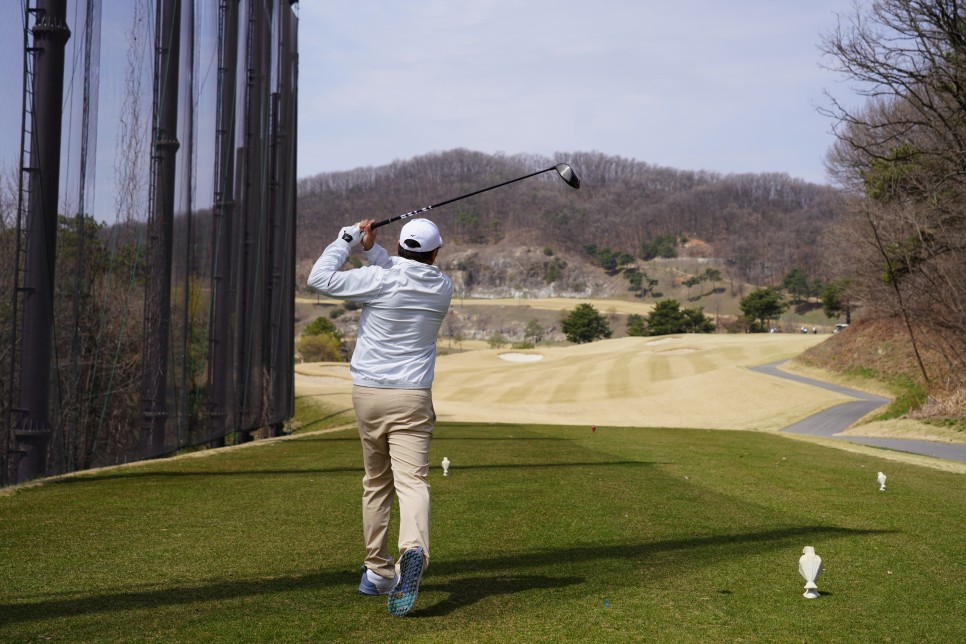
404, 300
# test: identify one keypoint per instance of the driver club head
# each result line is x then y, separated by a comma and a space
567, 174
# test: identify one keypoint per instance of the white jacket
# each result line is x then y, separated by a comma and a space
403, 306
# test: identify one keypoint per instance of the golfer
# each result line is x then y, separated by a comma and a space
404, 300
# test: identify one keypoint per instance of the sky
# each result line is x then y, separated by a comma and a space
729, 87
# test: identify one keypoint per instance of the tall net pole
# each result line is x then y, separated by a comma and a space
157, 301
32, 429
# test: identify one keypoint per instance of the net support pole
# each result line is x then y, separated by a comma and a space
32, 428
157, 301
221, 338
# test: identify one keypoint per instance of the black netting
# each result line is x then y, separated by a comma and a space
171, 295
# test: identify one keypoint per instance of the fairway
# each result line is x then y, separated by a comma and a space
669, 381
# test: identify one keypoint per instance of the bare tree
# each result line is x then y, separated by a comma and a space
902, 154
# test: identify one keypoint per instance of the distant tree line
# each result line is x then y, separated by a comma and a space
760, 309
668, 317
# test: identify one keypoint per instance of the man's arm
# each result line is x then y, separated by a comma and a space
327, 266
359, 284
377, 256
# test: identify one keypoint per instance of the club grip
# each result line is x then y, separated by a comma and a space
384, 222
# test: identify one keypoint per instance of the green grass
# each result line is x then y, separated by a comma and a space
312, 414
907, 393
539, 534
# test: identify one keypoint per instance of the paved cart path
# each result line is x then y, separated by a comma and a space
836, 419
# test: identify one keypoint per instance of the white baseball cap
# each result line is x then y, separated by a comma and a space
423, 232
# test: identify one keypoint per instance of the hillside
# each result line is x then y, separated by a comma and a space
754, 227
879, 349
539, 239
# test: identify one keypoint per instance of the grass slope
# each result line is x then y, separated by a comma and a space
540, 533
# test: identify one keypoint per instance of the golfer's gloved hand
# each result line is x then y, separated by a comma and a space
351, 235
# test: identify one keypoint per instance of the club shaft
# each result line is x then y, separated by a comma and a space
413, 213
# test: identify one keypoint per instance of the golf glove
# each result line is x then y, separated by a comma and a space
351, 235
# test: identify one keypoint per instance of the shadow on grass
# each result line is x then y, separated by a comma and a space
718, 545
342, 412
327, 470
543, 466
94, 478
463, 591
168, 596
518, 439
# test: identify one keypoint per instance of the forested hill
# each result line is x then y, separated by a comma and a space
760, 225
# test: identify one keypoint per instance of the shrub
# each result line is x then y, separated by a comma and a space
321, 326
497, 340
321, 348
585, 324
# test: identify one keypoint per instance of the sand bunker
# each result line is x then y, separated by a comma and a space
521, 357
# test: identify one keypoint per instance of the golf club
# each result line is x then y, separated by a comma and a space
565, 171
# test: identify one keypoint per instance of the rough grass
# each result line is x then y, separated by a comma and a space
540, 533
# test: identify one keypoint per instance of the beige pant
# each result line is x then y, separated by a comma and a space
395, 426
